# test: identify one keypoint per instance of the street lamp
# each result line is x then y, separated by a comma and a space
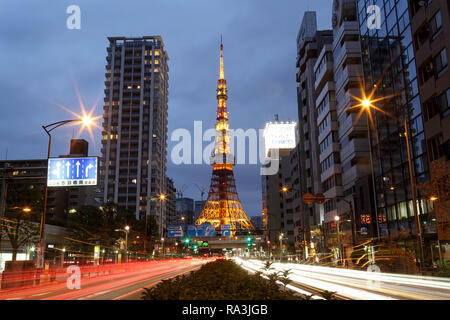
86, 121
162, 241
26, 210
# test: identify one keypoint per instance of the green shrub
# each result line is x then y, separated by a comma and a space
218, 280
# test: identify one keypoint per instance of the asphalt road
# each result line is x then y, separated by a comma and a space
126, 285
357, 285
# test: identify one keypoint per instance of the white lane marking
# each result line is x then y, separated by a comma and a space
38, 294
93, 295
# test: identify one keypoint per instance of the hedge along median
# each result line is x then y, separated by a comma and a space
218, 280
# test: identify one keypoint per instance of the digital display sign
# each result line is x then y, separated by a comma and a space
279, 135
72, 172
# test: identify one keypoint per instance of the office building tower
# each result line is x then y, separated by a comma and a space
277, 216
391, 67
184, 211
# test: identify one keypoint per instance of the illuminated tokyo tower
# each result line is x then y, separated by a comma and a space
223, 206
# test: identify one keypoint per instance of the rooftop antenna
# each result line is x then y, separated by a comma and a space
6, 155
276, 117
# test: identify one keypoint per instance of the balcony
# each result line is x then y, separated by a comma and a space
350, 49
350, 175
326, 74
334, 169
354, 146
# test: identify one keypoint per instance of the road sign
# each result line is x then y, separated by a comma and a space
210, 230
192, 231
175, 231
308, 198
226, 230
319, 198
72, 172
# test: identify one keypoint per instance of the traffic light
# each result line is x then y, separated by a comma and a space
249, 241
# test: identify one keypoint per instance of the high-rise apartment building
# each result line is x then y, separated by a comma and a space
353, 192
135, 125
310, 42
430, 26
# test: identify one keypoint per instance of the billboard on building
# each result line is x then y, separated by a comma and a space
72, 172
279, 135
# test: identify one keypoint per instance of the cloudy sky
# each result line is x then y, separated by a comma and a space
42, 63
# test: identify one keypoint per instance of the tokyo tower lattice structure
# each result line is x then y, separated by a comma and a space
223, 206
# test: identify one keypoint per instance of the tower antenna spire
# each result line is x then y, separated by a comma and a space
221, 76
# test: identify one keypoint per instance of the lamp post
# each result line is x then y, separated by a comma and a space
286, 189
336, 218
281, 243
48, 129
162, 197
162, 242
127, 229
352, 217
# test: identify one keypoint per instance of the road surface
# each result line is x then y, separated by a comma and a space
124, 284
357, 285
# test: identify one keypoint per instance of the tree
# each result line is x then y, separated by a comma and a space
284, 279
93, 225
20, 226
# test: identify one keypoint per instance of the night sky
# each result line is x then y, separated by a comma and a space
42, 63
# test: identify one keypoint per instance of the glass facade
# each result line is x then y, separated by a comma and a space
390, 71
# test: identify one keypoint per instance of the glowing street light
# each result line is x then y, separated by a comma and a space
433, 198
26, 210
87, 121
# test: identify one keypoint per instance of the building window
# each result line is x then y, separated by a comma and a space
443, 102
435, 25
441, 63
330, 205
434, 145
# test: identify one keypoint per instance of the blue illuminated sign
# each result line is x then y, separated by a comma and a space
203, 230
72, 172
226, 230
175, 231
